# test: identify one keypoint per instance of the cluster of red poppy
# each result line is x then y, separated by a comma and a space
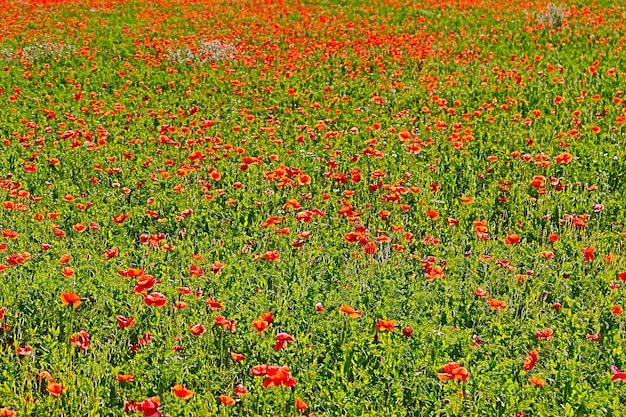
275, 376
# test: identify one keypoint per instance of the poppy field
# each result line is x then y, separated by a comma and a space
312, 208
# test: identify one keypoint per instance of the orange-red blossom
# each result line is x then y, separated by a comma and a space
351, 312
275, 375
453, 371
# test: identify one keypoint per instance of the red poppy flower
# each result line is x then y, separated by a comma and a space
259, 370
149, 407
370, 248
538, 181
68, 298
617, 374
588, 253
512, 239
155, 299
24, 351
564, 158
123, 322
55, 389
145, 283
225, 324
125, 377
240, 390
277, 376
67, 272
530, 360
479, 292
181, 392
282, 339
226, 400
214, 305
540, 382
120, 218
496, 304
546, 333
260, 325
351, 312
453, 371
271, 256
81, 340
386, 325
197, 329
217, 267
301, 405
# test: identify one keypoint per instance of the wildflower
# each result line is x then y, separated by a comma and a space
530, 360
540, 382
260, 325
55, 389
496, 304
197, 329
277, 376
81, 340
240, 390
225, 324
351, 312
544, 334
68, 298
214, 305
512, 239
181, 392
226, 400
301, 405
282, 339
125, 377
123, 322
564, 158
617, 374
588, 253
155, 299
385, 325
453, 371
479, 292
24, 351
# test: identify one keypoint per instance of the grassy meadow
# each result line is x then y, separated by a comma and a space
312, 208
